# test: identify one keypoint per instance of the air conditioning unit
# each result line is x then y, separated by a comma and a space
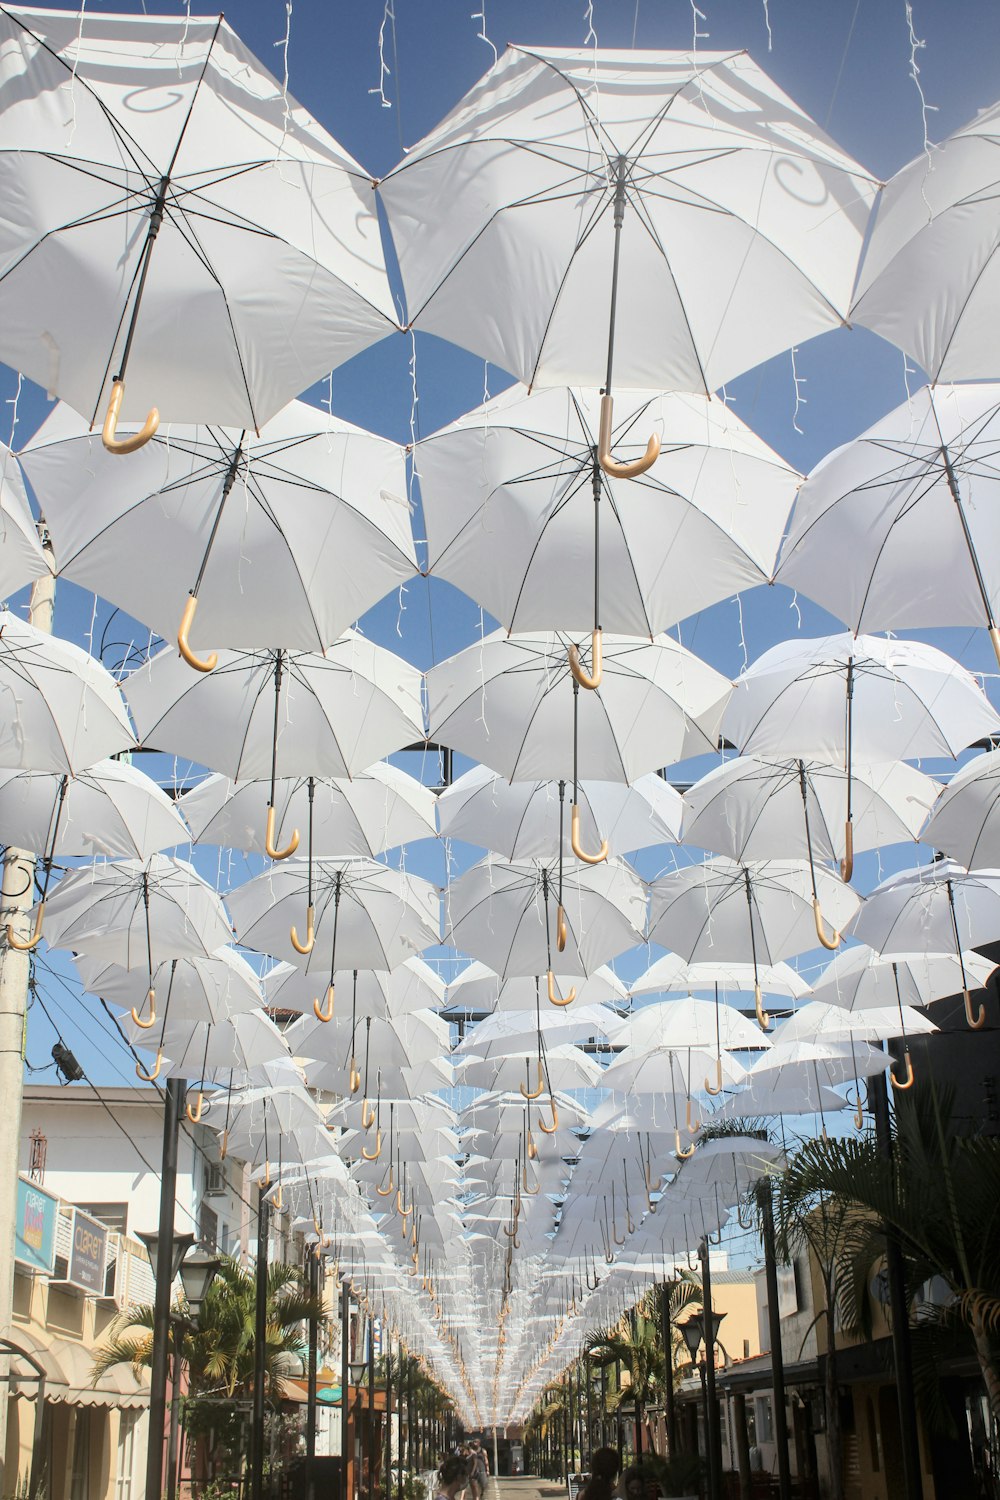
215, 1179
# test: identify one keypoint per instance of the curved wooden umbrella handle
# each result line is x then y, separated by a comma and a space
830, 943
278, 1201
593, 680
145, 1025
691, 1124
532, 1148
355, 1078
224, 1145
206, 664
140, 1071
138, 439
553, 997
25, 945
529, 1192
550, 1129
907, 1082
537, 1093
390, 1187
367, 1115
763, 1019
374, 1155
859, 1114
682, 1151
976, 1022
715, 1088
324, 1012
574, 839
611, 465
194, 1115
271, 851
847, 863
562, 931
307, 946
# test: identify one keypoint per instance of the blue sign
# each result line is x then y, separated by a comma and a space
35, 1233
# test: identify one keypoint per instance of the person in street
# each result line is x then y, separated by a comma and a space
482, 1466
451, 1478
633, 1486
604, 1467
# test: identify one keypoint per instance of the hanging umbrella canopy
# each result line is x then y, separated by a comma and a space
857, 543
965, 820
400, 1042
268, 1125
509, 495
508, 702
128, 913
860, 979
413, 986
477, 988
792, 1094
145, 233
504, 1032
566, 1067
393, 1082
375, 810
112, 809
757, 808
819, 1022
671, 1071
731, 1163
335, 712
239, 1042
282, 540
929, 279
686, 1022
60, 710
908, 700
22, 558
740, 223
671, 975
528, 819
760, 910
505, 1114
825, 1063
366, 915
199, 989
505, 914
414, 1115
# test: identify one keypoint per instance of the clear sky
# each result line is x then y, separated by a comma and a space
849, 63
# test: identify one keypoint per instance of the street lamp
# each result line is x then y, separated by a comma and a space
198, 1271
180, 1244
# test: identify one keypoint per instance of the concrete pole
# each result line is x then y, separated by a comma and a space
17, 897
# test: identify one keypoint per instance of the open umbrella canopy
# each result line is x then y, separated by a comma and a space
504, 217
508, 702
825, 1063
965, 820
566, 1067
686, 1022
400, 1042
192, 989
860, 978
239, 1042
671, 974
21, 556
376, 809
817, 1021
112, 808
366, 915
529, 819
505, 914
509, 496
504, 1032
793, 1094
330, 714
146, 234
412, 986
60, 710
478, 988
283, 539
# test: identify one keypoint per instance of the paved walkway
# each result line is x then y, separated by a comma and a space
526, 1488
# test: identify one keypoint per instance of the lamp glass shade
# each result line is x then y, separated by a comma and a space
198, 1271
717, 1318
692, 1333
179, 1248
358, 1369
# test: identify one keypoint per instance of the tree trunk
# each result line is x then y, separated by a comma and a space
638, 1432
831, 1393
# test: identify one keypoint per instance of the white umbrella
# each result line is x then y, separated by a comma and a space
394, 1082
194, 989
790, 1096
502, 1034
856, 699
328, 714
196, 1049
136, 915
112, 808
734, 222
762, 911
929, 279
506, 1113
60, 710
965, 820
687, 1022
512, 916
526, 819
939, 908
671, 974
477, 988
414, 985
818, 1021
144, 235
828, 1063
376, 809
857, 543
518, 509
860, 979
21, 556
670, 1071
567, 1067
279, 540
366, 915
392, 1042
509, 702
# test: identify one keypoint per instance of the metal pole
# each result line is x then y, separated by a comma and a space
175, 1390
312, 1282
899, 1315
766, 1204
714, 1434
17, 896
589, 1378
400, 1394
667, 1332
173, 1107
370, 1444
345, 1380
259, 1350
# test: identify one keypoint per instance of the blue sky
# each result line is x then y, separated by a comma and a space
848, 64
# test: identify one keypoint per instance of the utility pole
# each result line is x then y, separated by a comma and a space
670, 1410
17, 897
714, 1434
766, 1204
173, 1106
313, 1258
259, 1351
345, 1377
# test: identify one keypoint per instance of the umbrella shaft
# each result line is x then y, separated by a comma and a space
155, 220
973, 558
619, 210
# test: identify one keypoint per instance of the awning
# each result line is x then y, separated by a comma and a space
68, 1367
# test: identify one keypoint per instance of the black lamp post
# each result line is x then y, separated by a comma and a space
197, 1273
702, 1328
180, 1244
359, 1369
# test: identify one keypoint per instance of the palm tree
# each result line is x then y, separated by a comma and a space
219, 1352
636, 1345
939, 1194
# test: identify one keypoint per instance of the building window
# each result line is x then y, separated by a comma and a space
114, 1215
208, 1226
80, 1482
125, 1472
765, 1424
746, 1348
